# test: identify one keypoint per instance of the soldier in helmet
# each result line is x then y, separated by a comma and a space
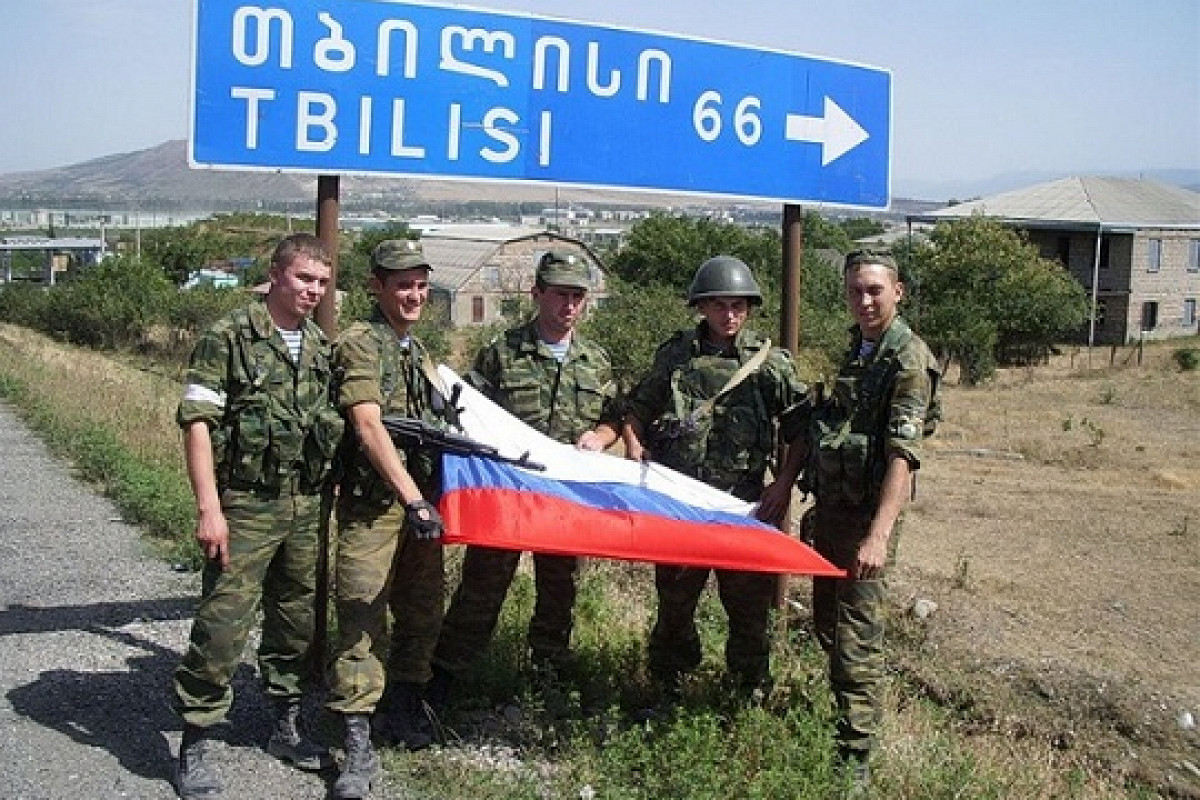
710, 408
548, 376
863, 447
389, 557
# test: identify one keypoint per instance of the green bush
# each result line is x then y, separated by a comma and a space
24, 303
111, 305
1187, 358
194, 310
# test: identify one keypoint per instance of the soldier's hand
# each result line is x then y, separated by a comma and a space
773, 503
212, 534
635, 452
423, 519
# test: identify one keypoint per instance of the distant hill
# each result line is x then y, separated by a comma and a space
160, 177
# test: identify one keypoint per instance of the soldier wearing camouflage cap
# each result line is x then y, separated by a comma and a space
389, 553
862, 447
709, 408
549, 377
260, 434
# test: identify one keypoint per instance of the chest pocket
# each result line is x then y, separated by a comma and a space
589, 400
521, 393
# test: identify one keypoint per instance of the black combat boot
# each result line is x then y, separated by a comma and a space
288, 744
361, 766
195, 776
402, 718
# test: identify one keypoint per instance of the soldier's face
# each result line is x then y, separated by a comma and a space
559, 309
296, 289
725, 316
402, 295
872, 293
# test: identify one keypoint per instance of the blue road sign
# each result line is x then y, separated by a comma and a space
399, 88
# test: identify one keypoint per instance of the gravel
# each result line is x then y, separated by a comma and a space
91, 628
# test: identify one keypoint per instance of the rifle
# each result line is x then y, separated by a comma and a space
415, 433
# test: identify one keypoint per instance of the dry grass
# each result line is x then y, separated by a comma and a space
1067, 578
84, 385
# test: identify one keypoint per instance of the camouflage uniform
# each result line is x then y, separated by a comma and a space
878, 407
522, 375
274, 434
729, 449
378, 566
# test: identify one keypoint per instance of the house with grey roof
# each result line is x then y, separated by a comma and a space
478, 267
1133, 244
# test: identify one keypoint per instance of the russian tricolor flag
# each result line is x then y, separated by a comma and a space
594, 504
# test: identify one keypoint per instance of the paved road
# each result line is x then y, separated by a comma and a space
91, 626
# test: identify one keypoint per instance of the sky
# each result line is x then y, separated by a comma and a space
981, 88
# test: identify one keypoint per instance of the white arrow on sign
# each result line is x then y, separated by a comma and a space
836, 132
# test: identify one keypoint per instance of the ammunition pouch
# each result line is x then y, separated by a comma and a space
680, 444
844, 466
321, 447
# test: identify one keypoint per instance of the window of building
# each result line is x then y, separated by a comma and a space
491, 278
1154, 256
1194, 255
1189, 312
1064, 250
1105, 251
477, 309
1101, 313
1149, 315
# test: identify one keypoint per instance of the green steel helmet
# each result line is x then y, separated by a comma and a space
724, 276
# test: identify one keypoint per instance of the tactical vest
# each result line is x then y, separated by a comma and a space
279, 423
561, 400
730, 447
848, 429
407, 392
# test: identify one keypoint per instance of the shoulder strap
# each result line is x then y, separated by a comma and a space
743, 372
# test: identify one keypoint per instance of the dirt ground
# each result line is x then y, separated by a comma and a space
1057, 527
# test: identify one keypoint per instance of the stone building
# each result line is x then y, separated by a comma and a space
478, 268
1133, 244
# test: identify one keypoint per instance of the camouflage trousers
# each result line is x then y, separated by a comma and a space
272, 565
475, 608
747, 598
379, 570
848, 615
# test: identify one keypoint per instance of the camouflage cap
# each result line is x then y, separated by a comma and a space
398, 254
564, 268
881, 257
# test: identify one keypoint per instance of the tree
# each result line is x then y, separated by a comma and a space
632, 322
652, 271
987, 295
667, 249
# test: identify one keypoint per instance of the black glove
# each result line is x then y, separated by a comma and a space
424, 520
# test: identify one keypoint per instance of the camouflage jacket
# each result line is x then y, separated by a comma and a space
271, 420
373, 365
561, 400
731, 447
883, 403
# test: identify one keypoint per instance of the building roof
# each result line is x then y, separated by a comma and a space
458, 251
1090, 202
